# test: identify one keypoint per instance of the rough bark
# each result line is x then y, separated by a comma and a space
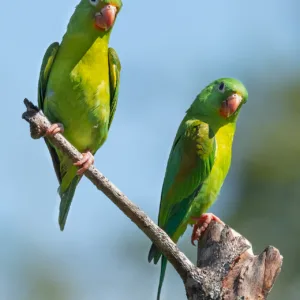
226, 268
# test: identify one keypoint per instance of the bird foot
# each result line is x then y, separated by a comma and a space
54, 129
86, 161
202, 224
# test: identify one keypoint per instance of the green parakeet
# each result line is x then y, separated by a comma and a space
199, 161
78, 90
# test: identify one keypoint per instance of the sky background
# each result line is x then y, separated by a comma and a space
169, 51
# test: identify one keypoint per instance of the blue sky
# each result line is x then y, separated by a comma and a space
169, 51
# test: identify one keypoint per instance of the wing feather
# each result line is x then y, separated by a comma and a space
114, 81
190, 162
45, 71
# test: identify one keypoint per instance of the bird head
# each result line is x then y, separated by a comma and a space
221, 100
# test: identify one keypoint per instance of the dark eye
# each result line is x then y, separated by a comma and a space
221, 87
94, 2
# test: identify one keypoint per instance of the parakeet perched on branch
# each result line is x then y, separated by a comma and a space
199, 162
78, 90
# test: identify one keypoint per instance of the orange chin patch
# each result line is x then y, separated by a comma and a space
96, 27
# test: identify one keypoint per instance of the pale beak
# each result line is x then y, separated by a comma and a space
230, 105
105, 19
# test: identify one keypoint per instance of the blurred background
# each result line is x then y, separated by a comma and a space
169, 51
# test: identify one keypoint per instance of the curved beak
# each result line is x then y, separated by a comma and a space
105, 19
230, 105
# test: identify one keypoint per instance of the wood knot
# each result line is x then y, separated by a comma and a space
37, 130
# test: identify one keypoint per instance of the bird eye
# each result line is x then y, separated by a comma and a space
94, 2
221, 87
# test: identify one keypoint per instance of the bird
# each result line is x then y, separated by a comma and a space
198, 163
78, 91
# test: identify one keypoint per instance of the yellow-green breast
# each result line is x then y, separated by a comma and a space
212, 185
78, 94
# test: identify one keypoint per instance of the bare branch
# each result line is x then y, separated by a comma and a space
39, 125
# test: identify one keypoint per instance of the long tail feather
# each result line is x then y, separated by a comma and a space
155, 255
66, 200
162, 275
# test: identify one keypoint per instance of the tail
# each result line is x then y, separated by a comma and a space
162, 275
66, 197
154, 254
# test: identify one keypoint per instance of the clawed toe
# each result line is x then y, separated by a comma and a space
86, 161
202, 224
54, 129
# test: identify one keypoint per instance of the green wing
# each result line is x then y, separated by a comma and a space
191, 160
47, 64
114, 81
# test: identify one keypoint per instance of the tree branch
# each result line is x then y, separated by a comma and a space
225, 269
39, 125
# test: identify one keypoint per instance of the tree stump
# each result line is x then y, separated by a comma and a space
228, 270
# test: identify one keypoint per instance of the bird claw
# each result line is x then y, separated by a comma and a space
85, 162
54, 129
202, 224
